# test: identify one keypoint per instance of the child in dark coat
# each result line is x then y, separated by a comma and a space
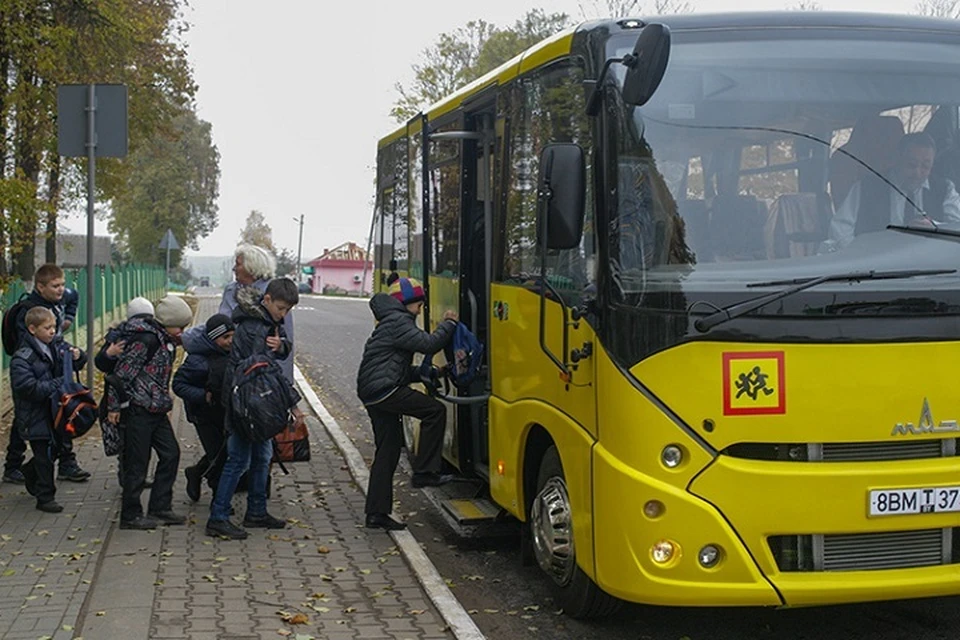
195, 382
382, 385
36, 373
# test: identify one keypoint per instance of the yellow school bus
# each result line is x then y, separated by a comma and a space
713, 261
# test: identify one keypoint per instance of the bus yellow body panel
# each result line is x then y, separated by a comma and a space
507, 443
864, 391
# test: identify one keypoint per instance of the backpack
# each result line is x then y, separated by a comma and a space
74, 407
261, 398
10, 332
110, 433
464, 356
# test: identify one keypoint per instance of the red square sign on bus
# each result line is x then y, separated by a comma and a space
754, 383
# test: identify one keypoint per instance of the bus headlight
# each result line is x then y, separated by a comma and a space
671, 456
653, 509
664, 551
709, 556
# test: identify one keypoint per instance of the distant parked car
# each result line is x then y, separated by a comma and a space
204, 282
304, 287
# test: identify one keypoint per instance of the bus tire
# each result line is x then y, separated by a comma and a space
551, 532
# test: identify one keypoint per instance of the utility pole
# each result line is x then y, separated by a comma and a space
299, 248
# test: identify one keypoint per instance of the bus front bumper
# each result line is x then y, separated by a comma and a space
763, 501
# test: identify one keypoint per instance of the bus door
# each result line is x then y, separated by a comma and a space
477, 231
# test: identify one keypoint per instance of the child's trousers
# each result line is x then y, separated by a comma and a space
388, 435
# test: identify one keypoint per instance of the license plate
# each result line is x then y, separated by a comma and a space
895, 502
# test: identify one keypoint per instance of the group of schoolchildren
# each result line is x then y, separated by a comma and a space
138, 358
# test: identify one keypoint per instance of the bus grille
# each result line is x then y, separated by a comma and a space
845, 451
866, 551
856, 451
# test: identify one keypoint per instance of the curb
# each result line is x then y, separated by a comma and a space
453, 613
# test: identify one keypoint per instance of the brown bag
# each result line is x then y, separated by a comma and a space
293, 443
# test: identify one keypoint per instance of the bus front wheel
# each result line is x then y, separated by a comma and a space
551, 532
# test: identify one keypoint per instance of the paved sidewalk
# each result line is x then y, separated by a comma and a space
77, 574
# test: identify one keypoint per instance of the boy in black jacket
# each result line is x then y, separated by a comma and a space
259, 322
385, 371
36, 373
195, 382
49, 285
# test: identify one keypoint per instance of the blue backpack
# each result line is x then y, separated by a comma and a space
464, 356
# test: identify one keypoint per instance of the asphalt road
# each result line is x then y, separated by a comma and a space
510, 601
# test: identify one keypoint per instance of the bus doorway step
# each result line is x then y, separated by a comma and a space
467, 514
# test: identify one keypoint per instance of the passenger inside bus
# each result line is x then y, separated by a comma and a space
873, 142
872, 203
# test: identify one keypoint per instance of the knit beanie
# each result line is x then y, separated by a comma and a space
139, 306
172, 311
219, 324
407, 290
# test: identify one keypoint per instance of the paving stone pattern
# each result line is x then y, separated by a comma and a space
75, 574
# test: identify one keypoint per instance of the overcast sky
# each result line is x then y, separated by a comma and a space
299, 92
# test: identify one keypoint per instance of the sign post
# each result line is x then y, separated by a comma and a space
169, 243
91, 122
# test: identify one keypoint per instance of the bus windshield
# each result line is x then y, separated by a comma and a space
784, 153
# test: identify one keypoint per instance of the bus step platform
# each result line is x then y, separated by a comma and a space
468, 512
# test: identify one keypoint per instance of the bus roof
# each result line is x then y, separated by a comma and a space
559, 45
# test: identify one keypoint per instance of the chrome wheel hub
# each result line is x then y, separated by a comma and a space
551, 523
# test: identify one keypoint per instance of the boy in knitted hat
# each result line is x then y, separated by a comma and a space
139, 403
385, 372
196, 382
113, 345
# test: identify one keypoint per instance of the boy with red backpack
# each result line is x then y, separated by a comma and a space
49, 285
36, 375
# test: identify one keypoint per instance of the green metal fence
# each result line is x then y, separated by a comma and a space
113, 287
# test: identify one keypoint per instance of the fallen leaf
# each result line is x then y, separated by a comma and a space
100, 614
284, 632
323, 549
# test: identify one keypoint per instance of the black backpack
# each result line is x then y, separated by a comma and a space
261, 398
11, 339
74, 407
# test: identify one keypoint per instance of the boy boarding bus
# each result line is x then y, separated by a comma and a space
713, 261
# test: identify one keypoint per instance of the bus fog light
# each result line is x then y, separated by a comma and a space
709, 556
653, 509
664, 551
671, 456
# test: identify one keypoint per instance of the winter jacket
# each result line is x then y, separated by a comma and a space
145, 384
388, 353
191, 380
104, 362
229, 303
34, 299
70, 302
254, 325
35, 378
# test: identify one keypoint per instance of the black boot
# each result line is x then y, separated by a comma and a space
194, 480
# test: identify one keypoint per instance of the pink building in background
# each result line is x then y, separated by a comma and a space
341, 270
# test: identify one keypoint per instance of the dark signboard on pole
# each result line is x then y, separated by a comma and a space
91, 122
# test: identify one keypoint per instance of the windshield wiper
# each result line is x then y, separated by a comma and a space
932, 231
800, 284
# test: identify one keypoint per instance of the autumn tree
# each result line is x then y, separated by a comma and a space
256, 231
939, 8
632, 8
46, 43
467, 53
170, 182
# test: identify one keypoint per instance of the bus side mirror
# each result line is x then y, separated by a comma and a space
647, 64
561, 195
